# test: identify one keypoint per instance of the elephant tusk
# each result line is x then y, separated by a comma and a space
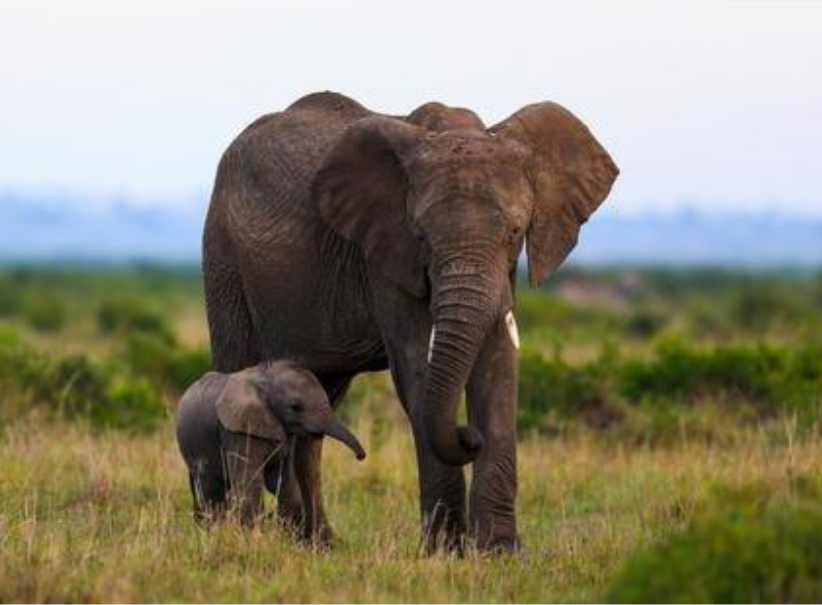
431, 342
513, 332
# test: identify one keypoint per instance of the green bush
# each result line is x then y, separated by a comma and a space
46, 313
769, 380
21, 373
645, 322
545, 315
74, 385
9, 337
187, 365
775, 380
133, 405
129, 315
172, 366
536, 310
745, 554
69, 385
757, 308
552, 391
10, 297
657, 389
77, 386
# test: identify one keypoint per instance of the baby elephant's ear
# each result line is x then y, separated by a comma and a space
242, 409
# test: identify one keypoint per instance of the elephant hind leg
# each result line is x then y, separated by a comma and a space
233, 343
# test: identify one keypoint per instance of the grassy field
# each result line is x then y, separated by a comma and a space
650, 401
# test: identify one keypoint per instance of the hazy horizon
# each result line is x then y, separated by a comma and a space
709, 107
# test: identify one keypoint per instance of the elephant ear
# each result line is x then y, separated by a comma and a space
571, 174
241, 408
362, 189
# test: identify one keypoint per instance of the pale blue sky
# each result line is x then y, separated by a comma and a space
713, 105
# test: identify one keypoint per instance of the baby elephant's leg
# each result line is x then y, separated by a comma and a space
281, 480
245, 458
307, 462
316, 528
208, 490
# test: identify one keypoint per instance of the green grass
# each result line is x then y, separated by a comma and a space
646, 398
90, 516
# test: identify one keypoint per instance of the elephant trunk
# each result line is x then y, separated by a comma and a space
337, 430
466, 305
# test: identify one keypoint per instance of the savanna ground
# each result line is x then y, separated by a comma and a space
667, 418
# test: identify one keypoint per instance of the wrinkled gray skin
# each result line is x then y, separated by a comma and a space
338, 237
233, 432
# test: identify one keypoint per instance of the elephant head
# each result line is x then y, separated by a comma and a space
272, 401
440, 205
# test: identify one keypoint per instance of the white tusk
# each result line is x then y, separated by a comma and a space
431, 342
513, 332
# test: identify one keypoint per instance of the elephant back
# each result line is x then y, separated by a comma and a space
332, 102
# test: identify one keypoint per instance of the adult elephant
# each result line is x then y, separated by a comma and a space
351, 241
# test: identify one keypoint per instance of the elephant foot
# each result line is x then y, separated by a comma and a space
321, 538
444, 536
443, 544
207, 517
292, 520
502, 545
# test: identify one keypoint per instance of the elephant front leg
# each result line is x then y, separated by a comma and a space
308, 455
492, 407
281, 480
442, 499
442, 487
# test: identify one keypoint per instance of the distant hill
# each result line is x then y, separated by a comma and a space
688, 238
55, 229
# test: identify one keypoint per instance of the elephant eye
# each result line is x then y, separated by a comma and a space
296, 407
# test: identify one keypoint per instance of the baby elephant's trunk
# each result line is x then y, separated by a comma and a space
334, 428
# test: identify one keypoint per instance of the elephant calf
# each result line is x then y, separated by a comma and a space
233, 429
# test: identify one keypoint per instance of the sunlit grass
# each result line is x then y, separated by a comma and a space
90, 516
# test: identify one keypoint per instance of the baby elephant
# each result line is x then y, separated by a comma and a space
233, 430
